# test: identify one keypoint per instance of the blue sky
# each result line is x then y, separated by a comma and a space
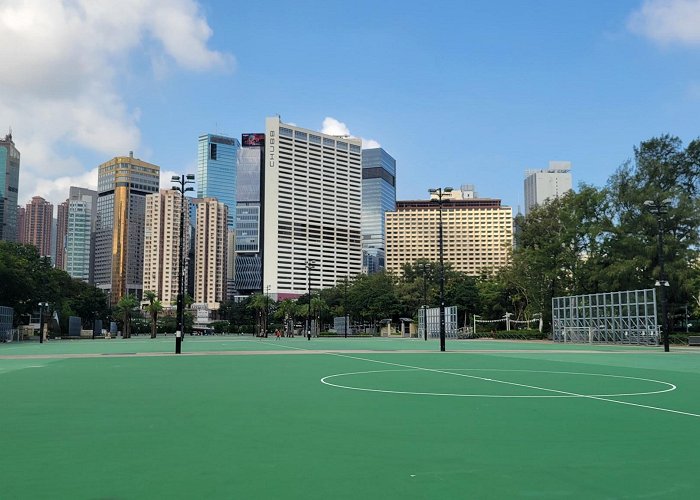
459, 92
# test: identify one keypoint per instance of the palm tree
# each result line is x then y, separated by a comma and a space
287, 311
154, 307
318, 308
124, 310
259, 303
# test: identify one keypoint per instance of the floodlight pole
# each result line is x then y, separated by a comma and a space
181, 182
425, 301
267, 308
345, 308
42, 305
310, 264
659, 209
440, 193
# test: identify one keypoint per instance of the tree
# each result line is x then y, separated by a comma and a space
373, 297
124, 311
662, 170
318, 309
286, 311
154, 307
259, 303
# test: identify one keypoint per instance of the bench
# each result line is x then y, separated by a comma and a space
694, 340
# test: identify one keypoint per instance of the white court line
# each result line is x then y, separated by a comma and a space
669, 387
597, 398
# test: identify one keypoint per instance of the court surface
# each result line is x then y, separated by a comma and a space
239, 417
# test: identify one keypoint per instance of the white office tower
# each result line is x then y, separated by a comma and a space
161, 246
548, 184
211, 252
312, 209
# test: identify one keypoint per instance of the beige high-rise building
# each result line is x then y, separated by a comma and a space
477, 234
161, 245
210, 252
38, 217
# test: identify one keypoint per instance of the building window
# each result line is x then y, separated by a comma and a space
212, 151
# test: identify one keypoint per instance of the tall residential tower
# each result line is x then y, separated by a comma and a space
161, 254
38, 219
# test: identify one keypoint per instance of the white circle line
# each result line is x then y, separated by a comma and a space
670, 387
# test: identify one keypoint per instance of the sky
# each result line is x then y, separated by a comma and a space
458, 92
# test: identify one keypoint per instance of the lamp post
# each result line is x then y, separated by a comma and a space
345, 308
42, 305
659, 209
310, 264
181, 185
267, 308
424, 268
439, 194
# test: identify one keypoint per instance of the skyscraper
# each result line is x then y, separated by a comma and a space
248, 263
161, 254
211, 252
378, 197
9, 185
312, 207
61, 234
80, 236
217, 161
38, 218
122, 186
543, 185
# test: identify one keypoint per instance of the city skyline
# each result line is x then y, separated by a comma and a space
474, 93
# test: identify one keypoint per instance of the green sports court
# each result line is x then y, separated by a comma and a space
241, 417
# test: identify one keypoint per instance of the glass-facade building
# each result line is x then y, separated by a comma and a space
217, 161
9, 184
378, 198
248, 268
80, 232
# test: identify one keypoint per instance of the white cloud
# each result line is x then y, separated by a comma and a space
668, 21
370, 144
59, 86
331, 126
56, 190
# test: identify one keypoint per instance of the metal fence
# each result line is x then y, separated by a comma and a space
433, 317
627, 317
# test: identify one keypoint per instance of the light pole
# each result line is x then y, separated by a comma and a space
310, 264
440, 193
659, 209
181, 185
424, 268
267, 308
42, 305
345, 308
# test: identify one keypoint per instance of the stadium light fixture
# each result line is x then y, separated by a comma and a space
439, 194
181, 185
659, 209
